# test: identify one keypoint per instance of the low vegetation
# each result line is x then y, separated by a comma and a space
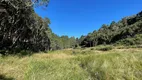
136, 40
75, 64
104, 48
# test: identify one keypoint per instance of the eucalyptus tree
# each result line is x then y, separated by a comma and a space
20, 27
109, 34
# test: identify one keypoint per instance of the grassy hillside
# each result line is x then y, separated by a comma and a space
96, 63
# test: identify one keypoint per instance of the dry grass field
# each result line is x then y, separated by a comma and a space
75, 64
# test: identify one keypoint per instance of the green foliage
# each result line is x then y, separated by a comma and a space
108, 34
136, 40
92, 49
62, 42
104, 48
21, 28
24, 53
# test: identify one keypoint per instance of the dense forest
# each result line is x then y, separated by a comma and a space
22, 29
122, 31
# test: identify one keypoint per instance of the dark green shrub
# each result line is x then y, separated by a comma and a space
136, 40
104, 48
74, 52
92, 49
24, 53
139, 46
2, 52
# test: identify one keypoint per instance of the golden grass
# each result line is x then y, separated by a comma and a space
52, 56
14, 67
68, 64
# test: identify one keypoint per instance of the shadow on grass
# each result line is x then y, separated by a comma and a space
20, 54
2, 77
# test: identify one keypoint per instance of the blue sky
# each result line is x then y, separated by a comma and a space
79, 17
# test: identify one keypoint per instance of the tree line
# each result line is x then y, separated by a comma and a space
128, 27
22, 29
61, 42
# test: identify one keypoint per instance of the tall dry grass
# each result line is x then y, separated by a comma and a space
75, 64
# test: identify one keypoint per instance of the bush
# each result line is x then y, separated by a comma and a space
92, 49
139, 46
24, 53
2, 52
136, 40
104, 48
